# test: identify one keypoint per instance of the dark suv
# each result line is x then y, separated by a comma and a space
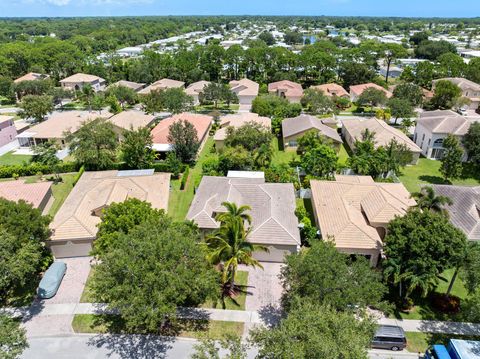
389, 337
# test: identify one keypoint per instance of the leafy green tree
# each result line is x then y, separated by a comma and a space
317, 103
250, 136
446, 93
86, 94
293, 38
37, 87
372, 97
409, 92
397, 155
13, 340
183, 137
310, 140
275, 106
432, 50
281, 173
46, 153
217, 92
451, 166
154, 269
136, 148
98, 102
94, 145
209, 348
471, 142
152, 102
320, 161
471, 267
312, 330
400, 108
451, 65
267, 37
121, 218
470, 307
392, 52
235, 158
124, 95
173, 100
6, 90
418, 37
337, 281
472, 71
353, 73
428, 200
36, 107
425, 72
418, 247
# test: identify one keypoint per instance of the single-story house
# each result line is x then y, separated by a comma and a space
236, 121
296, 127
135, 86
332, 90
353, 129
78, 81
74, 227
8, 131
130, 119
470, 89
464, 213
162, 84
289, 90
160, 132
357, 90
433, 126
31, 76
39, 194
353, 212
274, 223
130, 51
56, 126
195, 89
245, 89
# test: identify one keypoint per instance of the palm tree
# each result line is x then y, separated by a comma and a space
263, 156
234, 213
427, 200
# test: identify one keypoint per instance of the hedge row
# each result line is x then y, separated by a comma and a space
183, 183
35, 168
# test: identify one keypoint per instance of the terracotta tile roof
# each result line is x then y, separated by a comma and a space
289, 88
445, 121
82, 78
135, 86
200, 122
272, 207
465, 210
244, 87
347, 207
75, 219
131, 119
358, 89
303, 123
238, 120
31, 76
383, 132
196, 87
33, 193
332, 90
162, 84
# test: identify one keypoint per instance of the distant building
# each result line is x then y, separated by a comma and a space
246, 90
195, 89
31, 76
332, 90
470, 89
289, 90
130, 120
8, 131
162, 84
236, 121
130, 51
78, 81
135, 86
357, 90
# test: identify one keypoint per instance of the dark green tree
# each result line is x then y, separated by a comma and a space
451, 166
36, 107
471, 142
183, 137
13, 340
136, 148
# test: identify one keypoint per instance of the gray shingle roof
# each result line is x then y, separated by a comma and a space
444, 121
302, 123
272, 207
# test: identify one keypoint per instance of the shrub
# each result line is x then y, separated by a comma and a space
34, 168
79, 174
444, 304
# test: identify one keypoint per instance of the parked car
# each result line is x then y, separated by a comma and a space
389, 337
462, 111
51, 280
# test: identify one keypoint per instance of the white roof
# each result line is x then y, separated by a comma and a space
245, 174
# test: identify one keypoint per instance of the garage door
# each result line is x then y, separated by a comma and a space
71, 249
275, 254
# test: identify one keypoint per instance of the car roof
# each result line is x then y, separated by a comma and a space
390, 331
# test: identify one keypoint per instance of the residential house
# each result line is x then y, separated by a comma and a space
470, 89
56, 127
246, 90
8, 131
354, 211
135, 86
31, 76
289, 90
433, 126
332, 90
74, 227
78, 81
195, 89
357, 90
161, 131
353, 129
161, 85
464, 212
130, 120
38, 194
296, 127
236, 121
274, 223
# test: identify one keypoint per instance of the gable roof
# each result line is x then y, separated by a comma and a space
345, 209
445, 122
238, 120
31, 76
331, 90
358, 89
131, 119
272, 207
465, 210
290, 88
33, 193
162, 129
135, 86
75, 219
383, 132
82, 78
461, 82
303, 123
196, 87
244, 87
162, 84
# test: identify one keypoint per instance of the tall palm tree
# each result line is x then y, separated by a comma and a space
428, 200
234, 213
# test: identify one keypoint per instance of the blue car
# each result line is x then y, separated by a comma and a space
51, 280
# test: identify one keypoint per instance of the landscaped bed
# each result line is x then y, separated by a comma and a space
236, 303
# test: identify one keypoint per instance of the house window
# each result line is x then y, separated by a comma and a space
429, 140
438, 142
423, 137
292, 143
415, 137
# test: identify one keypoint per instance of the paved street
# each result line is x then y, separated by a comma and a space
388, 354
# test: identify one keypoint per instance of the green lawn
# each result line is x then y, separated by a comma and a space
427, 171
87, 296
11, 159
93, 323
418, 342
60, 192
342, 155
279, 155
237, 303
221, 107
179, 201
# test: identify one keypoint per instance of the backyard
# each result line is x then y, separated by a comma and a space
10, 158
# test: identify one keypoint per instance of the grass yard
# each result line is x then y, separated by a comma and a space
237, 303
12, 159
221, 107
179, 201
418, 342
93, 323
60, 192
427, 171
281, 156
87, 296
342, 155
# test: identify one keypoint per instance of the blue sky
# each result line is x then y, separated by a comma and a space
416, 8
